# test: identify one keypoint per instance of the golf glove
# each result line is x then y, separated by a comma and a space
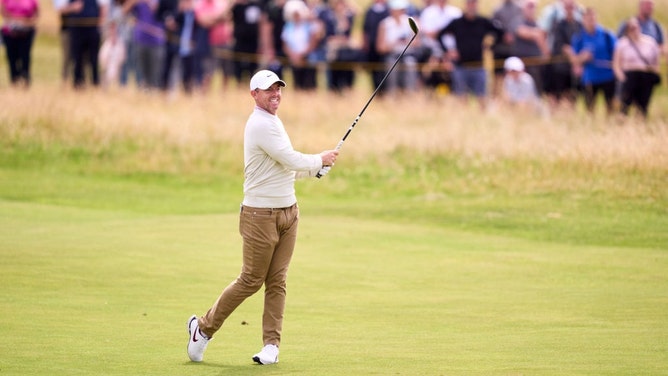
324, 171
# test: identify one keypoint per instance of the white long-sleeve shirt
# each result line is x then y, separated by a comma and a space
271, 163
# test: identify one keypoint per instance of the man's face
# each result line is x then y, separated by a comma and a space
646, 8
589, 20
471, 9
269, 99
529, 10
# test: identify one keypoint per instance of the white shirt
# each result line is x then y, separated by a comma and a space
522, 90
435, 17
271, 163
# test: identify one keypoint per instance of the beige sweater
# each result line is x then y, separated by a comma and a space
271, 163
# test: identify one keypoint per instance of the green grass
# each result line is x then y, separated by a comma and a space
100, 271
98, 292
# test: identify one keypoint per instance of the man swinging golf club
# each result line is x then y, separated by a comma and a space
267, 222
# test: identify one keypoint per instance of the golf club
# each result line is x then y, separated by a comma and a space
413, 25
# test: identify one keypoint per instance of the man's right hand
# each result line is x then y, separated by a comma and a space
329, 157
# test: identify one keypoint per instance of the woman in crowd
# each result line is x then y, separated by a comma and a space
636, 65
300, 36
18, 33
394, 33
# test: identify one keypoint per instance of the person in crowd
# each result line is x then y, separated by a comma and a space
18, 32
207, 14
592, 54
375, 13
270, 37
553, 13
86, 19
123, 24
340, 52
219, 24
247, 22
435, 17
531, 44
648, 25
560, 85
166, 14
470, 31
394, 32
112, 55
301, 34
268, 221
519, 88
322, 18
507, 16
636, 65
149, 38
188, 31
63, 7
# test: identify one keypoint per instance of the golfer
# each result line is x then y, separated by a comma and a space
268, 221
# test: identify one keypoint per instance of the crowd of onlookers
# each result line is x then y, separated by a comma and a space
539, 57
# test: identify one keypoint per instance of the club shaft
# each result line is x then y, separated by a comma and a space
373, 95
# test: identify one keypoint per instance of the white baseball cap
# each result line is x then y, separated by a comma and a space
398, 4
514, 63
264, 79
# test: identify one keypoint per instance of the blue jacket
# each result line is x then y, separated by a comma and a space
602, 45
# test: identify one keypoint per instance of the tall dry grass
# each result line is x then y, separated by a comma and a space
200, 127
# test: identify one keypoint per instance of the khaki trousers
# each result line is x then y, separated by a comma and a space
269, 237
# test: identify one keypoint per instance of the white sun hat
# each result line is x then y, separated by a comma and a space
513, 63
398, 4
264, 79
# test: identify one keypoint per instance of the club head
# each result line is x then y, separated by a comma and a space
413, 25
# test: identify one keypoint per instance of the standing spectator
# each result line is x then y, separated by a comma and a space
470, 31
188, 29
123, 25
112, 56
636, 66
300, 35
246, 17
64, 8
207, 14
560, 85
86, 20
553, 13
220, 39
149, 38
507, 16
648, 25
268, 221
213, 16
434, 18
376, 12
321, 17
394, 32
340, 52
18, 32
531, 44
166, 14
272, 42
593, 48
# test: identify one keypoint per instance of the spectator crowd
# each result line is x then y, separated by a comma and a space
519, 53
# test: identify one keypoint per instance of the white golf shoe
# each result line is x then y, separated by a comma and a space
268, 355
196, 342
